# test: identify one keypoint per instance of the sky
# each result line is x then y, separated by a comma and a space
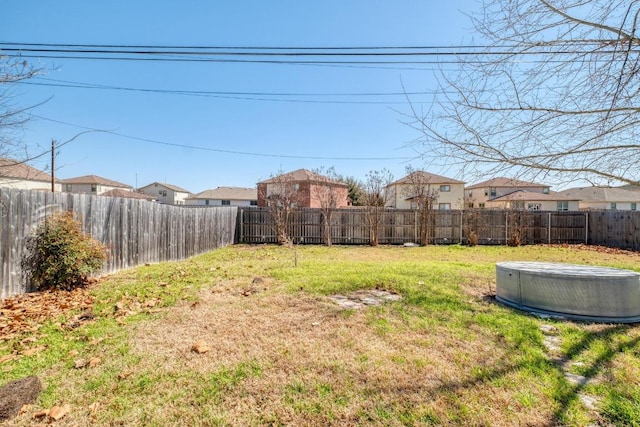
233, 123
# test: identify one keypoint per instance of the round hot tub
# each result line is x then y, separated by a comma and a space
581, 292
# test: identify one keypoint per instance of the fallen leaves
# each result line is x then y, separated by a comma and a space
200, 347
55, 413
26, 313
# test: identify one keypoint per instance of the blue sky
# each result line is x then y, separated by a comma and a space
367, 129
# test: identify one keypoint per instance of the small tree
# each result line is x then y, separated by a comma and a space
417, 187
374, 198
328, 191
60, 255
356, 191
282, 196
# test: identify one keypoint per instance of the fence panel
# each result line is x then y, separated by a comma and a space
134, 231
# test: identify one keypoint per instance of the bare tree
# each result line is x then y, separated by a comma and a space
12, 116
281, 196
555, 92
375, 197
329, 193
418, 189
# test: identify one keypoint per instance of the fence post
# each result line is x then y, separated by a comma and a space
241, 225
415, 226
506, 227
586, 228
549, 228
461, 224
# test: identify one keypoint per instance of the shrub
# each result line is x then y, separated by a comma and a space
60, 255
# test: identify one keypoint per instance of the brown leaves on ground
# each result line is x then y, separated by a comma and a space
599, 249
55, 413
26, 313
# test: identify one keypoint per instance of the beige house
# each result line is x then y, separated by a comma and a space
609, 198
307, 188
119, 192
534, 201
225, 196
166, 193
447, 192
92, 184
477, 195
19, 175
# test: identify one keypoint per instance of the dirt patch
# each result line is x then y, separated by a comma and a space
16, 394
364, 298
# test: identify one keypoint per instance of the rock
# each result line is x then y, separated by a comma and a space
16, 394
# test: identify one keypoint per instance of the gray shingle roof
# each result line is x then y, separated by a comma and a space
505, 182
603, 194
227, 193
94, 179
18, 170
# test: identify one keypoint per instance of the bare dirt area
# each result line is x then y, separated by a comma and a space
311, 352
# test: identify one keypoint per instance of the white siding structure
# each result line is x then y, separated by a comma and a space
225, 196
167, 194
21, 176
608, 198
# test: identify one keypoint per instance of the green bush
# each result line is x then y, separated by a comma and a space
60, 255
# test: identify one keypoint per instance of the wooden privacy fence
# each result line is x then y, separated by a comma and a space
135, 231
350, 226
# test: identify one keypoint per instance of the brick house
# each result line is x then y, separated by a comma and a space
303, 188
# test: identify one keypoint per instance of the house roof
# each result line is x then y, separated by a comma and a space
119, 192
505, 182
169, 186
94, 179
301, 175
532, 196
18, 170
427, 178
227, 193
603, 194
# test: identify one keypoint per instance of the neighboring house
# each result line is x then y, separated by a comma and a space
119, 192
19, 175
534, 201
448, 193
225, 196
166, 193
610, 198
307, 187
477, 195
92, 184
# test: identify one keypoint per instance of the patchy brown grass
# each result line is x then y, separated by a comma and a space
322, 365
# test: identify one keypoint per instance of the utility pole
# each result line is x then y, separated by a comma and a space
53, 165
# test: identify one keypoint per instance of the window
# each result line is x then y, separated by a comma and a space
545, 190
68, 187
206, 202
563, 206
493, 192
444, 206
533, 207
253, 203
481, 205
486, 191
94, 188
445, 188
613, 206
633, 206
470, 205
160, 192
226, 203
164, 193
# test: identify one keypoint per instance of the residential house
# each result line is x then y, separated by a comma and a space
534, 201
225, 196
92, 184
448, 193
609, 198
119, 192
166, 193
477, 195
304, 188
14, 174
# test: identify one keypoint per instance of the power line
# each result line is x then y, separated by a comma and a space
252, 96
218, 150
